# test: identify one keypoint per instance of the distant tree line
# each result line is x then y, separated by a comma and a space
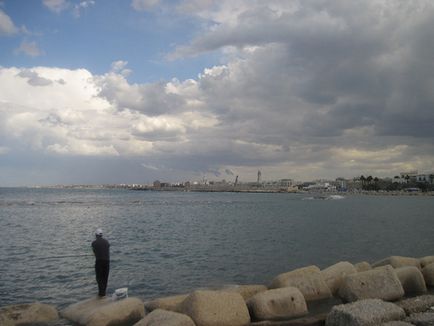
371, 183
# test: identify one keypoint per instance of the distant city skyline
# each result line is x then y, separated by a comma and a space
110, 92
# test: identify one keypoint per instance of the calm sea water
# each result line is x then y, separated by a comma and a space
165, 243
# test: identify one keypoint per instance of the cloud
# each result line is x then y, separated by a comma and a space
81, 6
303, 90
29, 48
144, 5
33, 78
7, 26
56, 6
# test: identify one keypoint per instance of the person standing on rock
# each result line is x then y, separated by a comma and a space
101, 249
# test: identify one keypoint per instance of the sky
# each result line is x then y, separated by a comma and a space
131, 91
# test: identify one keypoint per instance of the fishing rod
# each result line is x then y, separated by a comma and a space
63, 256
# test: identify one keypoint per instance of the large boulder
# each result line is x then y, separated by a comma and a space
278, 304
428, 274
368, 312
308, 280
247, 291
172, 303
161, 317
417, 304
216, 308
425, 261
397, 261
363, 266
421, 319
31, 313
411, 280
334, 274
379, 283
105, 312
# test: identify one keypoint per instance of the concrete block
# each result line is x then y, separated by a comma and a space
247, 291
367, 312
308, 280
363, 266
171, 303
421, 319
428, 274
160, 317
105, 312
425, 261
398, 261
379, 283
30, 313
282, 303
334, 274
417, 304
216, 308
411, 280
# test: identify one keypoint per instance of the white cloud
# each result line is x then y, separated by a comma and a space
81, 6
56, 6
29, 48
7, 26
144, 5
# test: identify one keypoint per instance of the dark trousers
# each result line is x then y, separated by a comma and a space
102, 268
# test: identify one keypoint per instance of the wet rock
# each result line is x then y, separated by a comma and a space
425, 261
216, 308
247, 291
31, 313
334, 274
363, 266
428, 274
379, 283
411, 280
417, 304
398, 261
308, 280
421, 319
172, 303
367, 312
105, 312
282, 303
160, 317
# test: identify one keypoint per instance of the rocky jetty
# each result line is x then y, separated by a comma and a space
396, 291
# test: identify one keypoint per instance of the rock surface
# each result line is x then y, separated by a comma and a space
417, 304
421, 319
278, 304
105, 312
397, 261
216, 308
308, 280
368, 312
247, 291
31, 313
172, 303
334, 274
425, 261
397, 323
363, 266
411, 280
428, 274
161, 317
379, 283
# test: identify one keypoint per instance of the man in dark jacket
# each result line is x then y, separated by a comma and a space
101, 249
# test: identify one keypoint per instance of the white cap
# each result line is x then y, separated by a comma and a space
98, 232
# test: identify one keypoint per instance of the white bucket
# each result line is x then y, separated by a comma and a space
121, 293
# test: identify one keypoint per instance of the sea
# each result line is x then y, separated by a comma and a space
166, 243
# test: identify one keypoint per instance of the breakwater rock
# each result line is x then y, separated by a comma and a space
361, 294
